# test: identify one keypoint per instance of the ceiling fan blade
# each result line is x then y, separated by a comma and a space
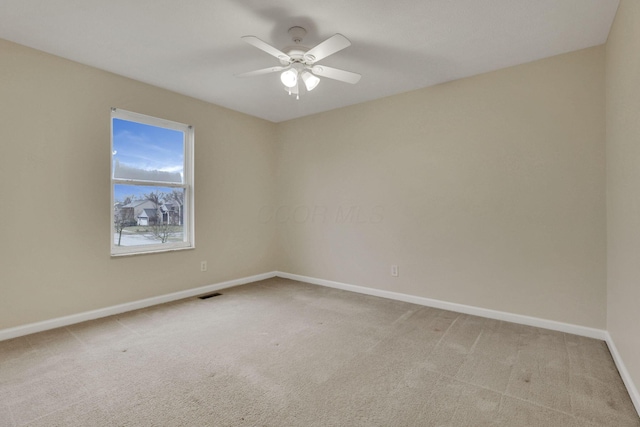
262, 71
333, 44
266, 47
336, 74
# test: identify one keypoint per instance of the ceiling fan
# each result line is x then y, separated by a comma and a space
300, 62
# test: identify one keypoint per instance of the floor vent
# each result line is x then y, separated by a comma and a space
215, 294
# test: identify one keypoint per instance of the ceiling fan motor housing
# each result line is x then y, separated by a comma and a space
296, 53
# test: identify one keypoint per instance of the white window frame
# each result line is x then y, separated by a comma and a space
187, 185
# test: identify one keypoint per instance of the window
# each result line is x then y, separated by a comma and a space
151, 184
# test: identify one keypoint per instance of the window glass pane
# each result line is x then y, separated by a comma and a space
148, 215
147, 153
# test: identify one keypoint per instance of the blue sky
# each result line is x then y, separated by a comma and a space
146, 147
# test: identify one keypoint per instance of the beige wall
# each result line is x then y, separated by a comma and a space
54, 181
623, 184
487, 191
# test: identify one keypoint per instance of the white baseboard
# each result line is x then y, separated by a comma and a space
460, 308
624, 373
148, 302
31, 328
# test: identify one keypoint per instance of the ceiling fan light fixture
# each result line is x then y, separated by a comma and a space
310, 81
289, 77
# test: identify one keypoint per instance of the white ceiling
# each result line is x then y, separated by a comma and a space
193, 47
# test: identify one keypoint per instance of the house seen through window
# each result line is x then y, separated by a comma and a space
151, 184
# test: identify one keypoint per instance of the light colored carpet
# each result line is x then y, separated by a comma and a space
284, 353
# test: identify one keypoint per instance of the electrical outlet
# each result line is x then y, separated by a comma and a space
203, 265
394, 270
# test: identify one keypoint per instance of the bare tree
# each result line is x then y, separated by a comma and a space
156, 199
177, 197
119, 223
160, 229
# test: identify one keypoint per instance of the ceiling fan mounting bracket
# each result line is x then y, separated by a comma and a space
297, 34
